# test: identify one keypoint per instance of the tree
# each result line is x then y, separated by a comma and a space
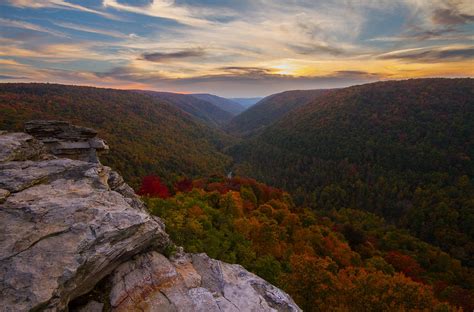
184, 185
153, 187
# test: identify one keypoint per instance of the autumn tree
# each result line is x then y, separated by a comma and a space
153, 187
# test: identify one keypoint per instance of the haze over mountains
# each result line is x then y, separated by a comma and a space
379, 176
206, 111
271, 109
246, 102
230, 106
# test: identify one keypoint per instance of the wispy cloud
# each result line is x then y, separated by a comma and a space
316, 49
88, 29
451, 17
59, 4
160, 57
249, 72
29, 26
432, 54
437, 34
7, 77
167, 9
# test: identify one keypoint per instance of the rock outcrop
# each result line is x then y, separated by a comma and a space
192, 282
64, 225
68, 225
20, 146
65, 140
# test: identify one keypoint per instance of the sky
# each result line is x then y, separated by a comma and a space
234, 48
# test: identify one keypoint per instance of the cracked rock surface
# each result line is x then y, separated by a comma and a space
68, 224
192, 282
64, 225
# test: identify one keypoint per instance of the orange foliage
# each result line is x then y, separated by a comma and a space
405, 264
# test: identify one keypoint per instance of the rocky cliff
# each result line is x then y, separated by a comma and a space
74, 236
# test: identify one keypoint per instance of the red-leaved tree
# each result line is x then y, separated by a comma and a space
153, 187
405, 264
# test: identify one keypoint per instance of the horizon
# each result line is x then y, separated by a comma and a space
230, 97
232, 49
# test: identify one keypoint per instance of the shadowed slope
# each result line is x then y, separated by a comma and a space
270, 110
206, 111
223, 103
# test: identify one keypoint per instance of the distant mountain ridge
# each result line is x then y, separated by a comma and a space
246, 102
270, 109
228, 105
209, 113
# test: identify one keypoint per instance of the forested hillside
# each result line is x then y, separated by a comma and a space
345, 260
146, 135
402, 150
270, 110
203, 110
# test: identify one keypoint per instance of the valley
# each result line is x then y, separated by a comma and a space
366, 183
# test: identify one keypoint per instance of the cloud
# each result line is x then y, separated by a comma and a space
235, 80
109, 33
245, 71
135, 2
432, 54
160, 8
130, 74
58, 53
356, 74
57, 4
432, 20
161, 57
316, 49
229, 73
451, 17
133, 74
29, 26
7, 77
435, 34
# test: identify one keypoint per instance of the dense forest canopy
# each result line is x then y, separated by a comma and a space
346, 259
403, 150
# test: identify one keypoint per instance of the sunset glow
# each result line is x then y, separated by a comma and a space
233, 48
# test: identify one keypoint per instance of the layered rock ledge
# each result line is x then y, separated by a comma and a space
65, 140
69, 224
